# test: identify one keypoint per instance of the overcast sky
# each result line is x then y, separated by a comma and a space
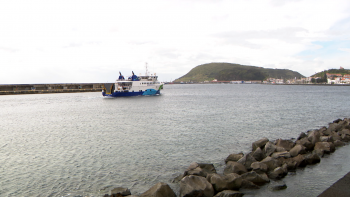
81, 41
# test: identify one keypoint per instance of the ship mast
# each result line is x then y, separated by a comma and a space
146, 69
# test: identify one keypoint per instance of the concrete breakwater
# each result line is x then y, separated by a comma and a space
11, 89
267, 163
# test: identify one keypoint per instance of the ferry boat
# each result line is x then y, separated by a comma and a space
133, 86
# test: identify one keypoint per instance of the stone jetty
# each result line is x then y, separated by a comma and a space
268, 161
15, 89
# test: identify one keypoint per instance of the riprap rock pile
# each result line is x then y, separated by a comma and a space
268, 160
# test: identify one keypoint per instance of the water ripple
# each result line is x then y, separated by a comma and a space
83, 144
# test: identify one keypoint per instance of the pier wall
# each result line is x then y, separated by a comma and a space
9, 89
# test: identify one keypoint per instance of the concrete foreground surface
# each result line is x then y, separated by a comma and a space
341, 188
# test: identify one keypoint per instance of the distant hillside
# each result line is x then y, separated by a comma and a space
235, 72
332, 71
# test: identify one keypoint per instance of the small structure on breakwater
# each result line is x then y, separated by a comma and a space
10, 89
268, 160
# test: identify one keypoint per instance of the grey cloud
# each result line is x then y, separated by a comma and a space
194, 56
73, 44
168, 53
94, 42
201, 1
141, 42
340, 29
206, 57
8, 49
241, 38
79, 44
282, 2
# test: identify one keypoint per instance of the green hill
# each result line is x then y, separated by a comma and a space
332, 71
235, 72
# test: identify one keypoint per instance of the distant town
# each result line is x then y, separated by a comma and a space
329, 78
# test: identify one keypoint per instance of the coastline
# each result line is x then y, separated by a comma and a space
306, 84
16, 89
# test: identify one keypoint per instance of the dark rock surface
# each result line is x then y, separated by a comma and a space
338, 189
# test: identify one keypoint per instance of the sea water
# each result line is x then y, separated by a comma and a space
81, 144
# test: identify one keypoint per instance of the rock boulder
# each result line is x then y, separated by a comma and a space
277, 185
306, 143
344, 131
300, 161
247, 160
338, 143
200, 169
312, 158
159, 190
302, 135
271, 163
327, 147
345, 138
120, 190
260, 143
314, 137
259, 167
258, 154
269, 148
196, 186
286, 144
229, 193
326, 138
279, 172
334, 127
234, 167
290, 162
255, 178
225, 182
284, 154
297, 149
234, 157
249, 185
335, 136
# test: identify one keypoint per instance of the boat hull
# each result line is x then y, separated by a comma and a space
148, 92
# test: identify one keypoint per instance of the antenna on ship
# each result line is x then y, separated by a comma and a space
146, 69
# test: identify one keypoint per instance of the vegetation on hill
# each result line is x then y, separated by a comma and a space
332, 71
235, 72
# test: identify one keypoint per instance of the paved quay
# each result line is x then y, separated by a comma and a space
341, 188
